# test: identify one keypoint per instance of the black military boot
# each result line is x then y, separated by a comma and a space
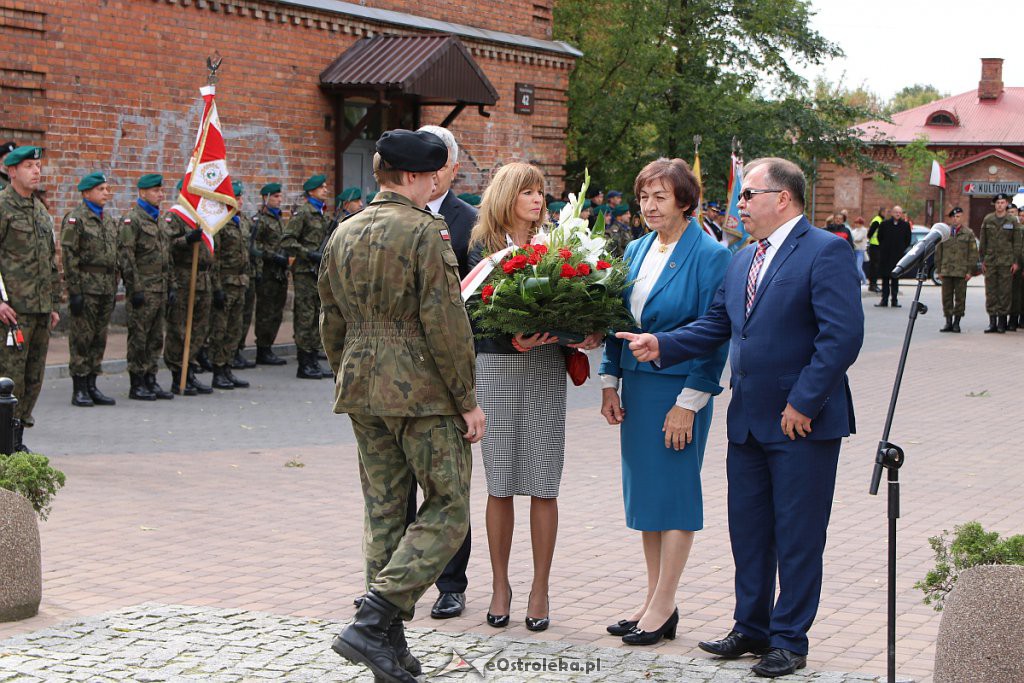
240, 383
956, 324
203, 358
190, 378
949, 324
240, 362
396, 636
190, 389
365, 641
220, 378
139, 390
993, 326
80, 394
1001, 324
1012, 323
308, 367
157, 390
266, 356
98, 397
19, 436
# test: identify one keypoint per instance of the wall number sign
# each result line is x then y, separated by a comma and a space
524, 98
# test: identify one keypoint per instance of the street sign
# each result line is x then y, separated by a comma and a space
984, 187
524, 98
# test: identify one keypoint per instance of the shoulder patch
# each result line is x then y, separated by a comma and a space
445, 235
168, 219
72, 219
127, 220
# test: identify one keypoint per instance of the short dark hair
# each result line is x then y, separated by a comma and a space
678, 176
782, 174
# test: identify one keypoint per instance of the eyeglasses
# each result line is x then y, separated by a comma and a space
749, 194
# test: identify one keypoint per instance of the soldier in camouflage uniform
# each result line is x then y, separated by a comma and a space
399, 341
181, 238
272, 285
350, 201
618, 232
145, 262
1017, 281
230, 279
88, 245
254, 267
1000, 259
303, 238
955, 262
28, 264
5, 149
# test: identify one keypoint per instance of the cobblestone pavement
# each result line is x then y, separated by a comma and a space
151, 643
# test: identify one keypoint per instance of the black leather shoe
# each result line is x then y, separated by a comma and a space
992, 324
956, 324
203, 359
240, 362
539, 623
365, 641
396, 636
97, 396
896, 304
778, 662
621, 627
240, 383
266, 356
190, 378
882, 304
157, 390
501, 620
139, 390
734, 645
80, 392
667, 631
448, 605
190, 389
220, 378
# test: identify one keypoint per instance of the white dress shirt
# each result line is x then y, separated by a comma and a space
775, 241
435, 206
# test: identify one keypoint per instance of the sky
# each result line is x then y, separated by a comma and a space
889, 44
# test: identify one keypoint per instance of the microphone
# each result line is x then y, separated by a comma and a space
920, 251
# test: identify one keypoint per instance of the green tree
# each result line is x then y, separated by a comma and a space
913, 96
860, 97
903, 186
655, 73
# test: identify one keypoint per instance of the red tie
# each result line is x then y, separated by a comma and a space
755, 269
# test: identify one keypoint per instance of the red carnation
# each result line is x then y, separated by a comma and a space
565, 253
541, 249
528, 248
486, 293
534, 259
603, 265
568, 271
508, 267
583, 269
519, 261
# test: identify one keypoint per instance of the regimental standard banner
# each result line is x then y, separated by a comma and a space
985, 187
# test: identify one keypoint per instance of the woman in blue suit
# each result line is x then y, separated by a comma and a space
665, 414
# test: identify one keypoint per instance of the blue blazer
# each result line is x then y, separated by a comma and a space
804, 331
683, 292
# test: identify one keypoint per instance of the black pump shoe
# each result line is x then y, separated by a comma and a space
540, 623
667, 631
622, 627
501, 620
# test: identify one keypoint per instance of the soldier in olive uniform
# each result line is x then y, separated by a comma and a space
400, 344
182, 236
618, 233
5, 149
303, 238
272, 285
1014, 321
28, 263
230, 279
88, 244
955, 262
1000, 260
350, 201
254, 268
145, 262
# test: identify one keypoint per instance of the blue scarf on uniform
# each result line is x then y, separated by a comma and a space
276, 213
317, 204
234, 219
95, 208
152, 211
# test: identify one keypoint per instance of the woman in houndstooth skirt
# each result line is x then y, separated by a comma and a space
521, 388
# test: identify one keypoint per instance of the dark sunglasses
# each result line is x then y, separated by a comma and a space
749, 194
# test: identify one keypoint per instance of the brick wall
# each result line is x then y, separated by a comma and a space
113, 86
522, 17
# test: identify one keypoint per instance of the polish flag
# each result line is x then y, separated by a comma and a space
938, 178
206, 199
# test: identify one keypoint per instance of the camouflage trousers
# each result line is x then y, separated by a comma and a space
26, 367
306, 313
271, 294
226, 326
954, 296
174, 339
1017, 294
87, 334
394, 454
248, 304
997, 290
146, 332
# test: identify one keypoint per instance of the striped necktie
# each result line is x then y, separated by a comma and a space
755, 269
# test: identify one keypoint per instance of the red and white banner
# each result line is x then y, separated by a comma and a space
478, 275
206, 200
938, 178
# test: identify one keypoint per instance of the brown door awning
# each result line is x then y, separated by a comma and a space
436, 69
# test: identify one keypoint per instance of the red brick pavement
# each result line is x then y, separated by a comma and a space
240, 529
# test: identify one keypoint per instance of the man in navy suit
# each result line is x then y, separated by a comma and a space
790, 308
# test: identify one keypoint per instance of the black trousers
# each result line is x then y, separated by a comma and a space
890, 284
874, 253
453, 579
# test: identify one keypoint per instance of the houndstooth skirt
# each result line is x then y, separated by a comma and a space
523, 397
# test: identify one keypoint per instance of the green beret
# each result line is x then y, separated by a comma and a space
20, 154
90, 181
150, 180
555, 207
620, 209
603, 208
586, 204
236, 187
314, 182
370, 196
179, 184
270, 188
474, 200
349, 194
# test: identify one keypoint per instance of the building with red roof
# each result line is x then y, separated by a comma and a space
981, 132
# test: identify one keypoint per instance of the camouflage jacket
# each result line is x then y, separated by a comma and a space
267, 233
254, 266
618, 236
957, 256
144, 254
28, 254
304, 233
88, 247
392, 319
231, 254
1000, 240
181, 254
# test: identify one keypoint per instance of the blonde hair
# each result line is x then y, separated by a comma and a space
497, 208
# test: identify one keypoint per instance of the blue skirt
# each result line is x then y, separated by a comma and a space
660, 486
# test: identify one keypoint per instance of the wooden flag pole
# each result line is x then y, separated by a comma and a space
188, 318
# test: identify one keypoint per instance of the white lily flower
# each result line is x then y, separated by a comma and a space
592, 247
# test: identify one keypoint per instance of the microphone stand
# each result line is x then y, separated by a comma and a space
890, 457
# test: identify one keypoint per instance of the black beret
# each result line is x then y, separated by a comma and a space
1002, 195
416, 152
593, 192
956, 211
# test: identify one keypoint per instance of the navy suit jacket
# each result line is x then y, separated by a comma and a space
460, 217
804, 331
